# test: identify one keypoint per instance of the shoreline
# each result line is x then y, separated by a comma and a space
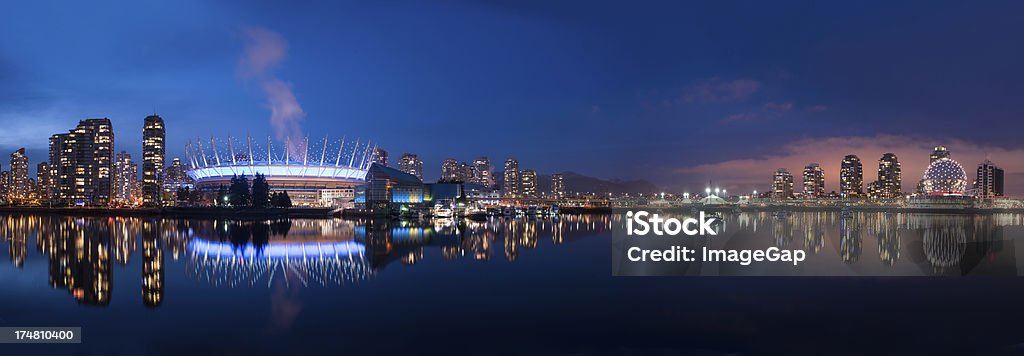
853, 208
175, 212
327, 213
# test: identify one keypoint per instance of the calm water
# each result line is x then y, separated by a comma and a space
525, 286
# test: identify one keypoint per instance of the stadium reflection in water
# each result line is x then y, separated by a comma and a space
82, 253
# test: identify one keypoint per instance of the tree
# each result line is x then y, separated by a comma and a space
238, 193
281, 200
260, 192
260, 236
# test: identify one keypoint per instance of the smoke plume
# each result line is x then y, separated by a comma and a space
264, 51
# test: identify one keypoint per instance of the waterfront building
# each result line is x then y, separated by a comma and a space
153, 152
86, 159
175, 178
875, 191
44, 181
814, 181
889, 176
19, 186
449, 170
125, 178
5, 185
557, 185
945, 176
410, 163
380, 156
482, 172
528, 186
59, 163
945, 187
989, 180
467, 172
782, 184
387, 189
511, 185
310, 176
851, 177
455, 171
938, 153
338, 197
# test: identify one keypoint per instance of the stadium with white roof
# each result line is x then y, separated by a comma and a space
320, 173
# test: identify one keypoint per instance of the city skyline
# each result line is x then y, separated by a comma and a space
569, 81
473, 173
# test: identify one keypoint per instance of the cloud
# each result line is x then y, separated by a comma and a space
264, 51
770, 110
816, 108
745, 116
778, 107
755, 172
716, 90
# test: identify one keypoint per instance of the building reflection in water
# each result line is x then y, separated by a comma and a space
387, 241
889, 243
250, 253
849, 240
122, 239
782, 232
152, 265
80, 257
814, 232
956, 244
16, 233
81, 252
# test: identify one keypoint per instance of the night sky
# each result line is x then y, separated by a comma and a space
678, 94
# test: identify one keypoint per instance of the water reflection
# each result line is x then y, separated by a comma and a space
849, 240
152, 265
81, 253
937, 244
80, 256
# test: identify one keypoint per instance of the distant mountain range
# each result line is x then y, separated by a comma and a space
575, 182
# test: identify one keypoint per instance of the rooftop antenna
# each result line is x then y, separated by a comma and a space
341, 150
200, 142
248, 139
323, 154
214, 145
305, 152
352, 158
231, 148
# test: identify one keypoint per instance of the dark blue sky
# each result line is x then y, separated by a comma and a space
665, 91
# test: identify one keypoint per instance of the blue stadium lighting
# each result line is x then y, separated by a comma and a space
327, 159
278, 251
278, 170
